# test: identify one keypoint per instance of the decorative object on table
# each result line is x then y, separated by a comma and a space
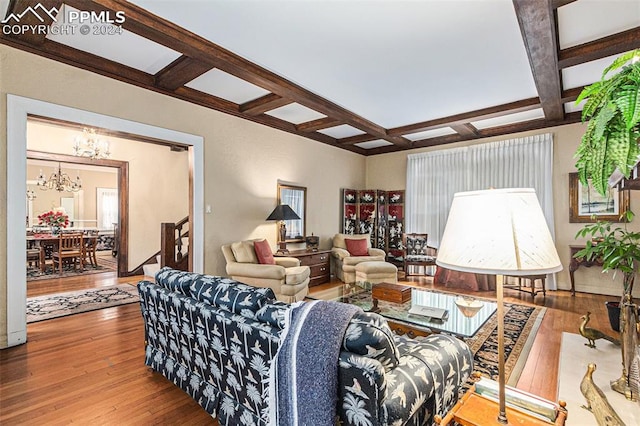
468, 306
597, 401
55, 220
611, 139
59, 181
591, 334
502, 232
587, 206
391, 292
282, 213
619, 250
379, 214
312, 242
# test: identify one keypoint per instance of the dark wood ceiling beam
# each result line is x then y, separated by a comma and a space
559, 3
467, 130
601, 48
480, 114
571, 95
319, 124
17, 7
174, 37
524, 126
352, 140
264, 104
538, 27
180, 72
117, 71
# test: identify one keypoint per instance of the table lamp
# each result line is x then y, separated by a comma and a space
282, 213
501, 232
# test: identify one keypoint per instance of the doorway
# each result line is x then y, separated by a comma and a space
18, 110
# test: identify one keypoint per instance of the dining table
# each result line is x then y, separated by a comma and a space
47, 243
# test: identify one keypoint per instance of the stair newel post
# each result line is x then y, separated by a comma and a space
167, 245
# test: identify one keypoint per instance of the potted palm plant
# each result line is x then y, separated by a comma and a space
612, 107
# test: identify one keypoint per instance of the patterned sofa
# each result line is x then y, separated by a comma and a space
215, 338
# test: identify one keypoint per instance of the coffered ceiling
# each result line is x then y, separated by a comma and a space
367, 76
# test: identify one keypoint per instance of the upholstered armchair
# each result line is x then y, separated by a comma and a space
343, 263
288, 280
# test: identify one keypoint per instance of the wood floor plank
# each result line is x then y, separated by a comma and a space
89, 368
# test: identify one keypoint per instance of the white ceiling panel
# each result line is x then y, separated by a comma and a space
227, 86
392, 62
587, 20
587, 73
373, 144
509, 119
572, 107
343, 131
430, 134
295, 113
127, 48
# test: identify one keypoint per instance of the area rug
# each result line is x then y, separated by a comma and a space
105, 264
521, 324
74, 302
574, 358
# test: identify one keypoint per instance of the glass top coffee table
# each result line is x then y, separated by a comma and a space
456, 323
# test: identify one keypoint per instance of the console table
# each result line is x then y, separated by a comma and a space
576, 263
317, 261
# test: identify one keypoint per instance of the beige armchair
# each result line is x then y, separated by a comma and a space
343, 264
288, 280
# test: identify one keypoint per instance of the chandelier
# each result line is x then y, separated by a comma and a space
31, 195
59, 181
88, 145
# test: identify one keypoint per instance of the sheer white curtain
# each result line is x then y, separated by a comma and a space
107, 207
433, 178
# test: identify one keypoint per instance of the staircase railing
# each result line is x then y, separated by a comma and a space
173, 252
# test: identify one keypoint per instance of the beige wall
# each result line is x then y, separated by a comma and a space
243, 161
158, 177
388, 171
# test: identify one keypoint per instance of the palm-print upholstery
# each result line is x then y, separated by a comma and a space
215, 339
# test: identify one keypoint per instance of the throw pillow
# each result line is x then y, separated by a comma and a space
263, 251
357, 247
244, 252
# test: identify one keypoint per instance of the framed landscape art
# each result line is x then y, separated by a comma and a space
586, 205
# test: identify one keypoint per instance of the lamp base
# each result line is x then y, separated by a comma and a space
282, 248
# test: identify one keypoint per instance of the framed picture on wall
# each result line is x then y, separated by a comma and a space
586, 205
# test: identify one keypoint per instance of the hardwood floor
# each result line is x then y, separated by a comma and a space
88, 368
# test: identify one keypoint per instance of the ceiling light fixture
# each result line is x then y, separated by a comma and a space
88, 145
59, 181
31, 195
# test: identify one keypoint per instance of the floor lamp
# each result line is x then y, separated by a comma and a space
501, 232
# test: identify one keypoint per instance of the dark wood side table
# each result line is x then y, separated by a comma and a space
576, 263
317, 261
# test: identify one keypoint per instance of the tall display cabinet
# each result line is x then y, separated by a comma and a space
378, 213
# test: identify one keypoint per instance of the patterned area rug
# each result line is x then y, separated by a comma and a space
74, 302
521, 324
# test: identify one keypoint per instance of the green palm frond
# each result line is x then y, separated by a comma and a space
612, 108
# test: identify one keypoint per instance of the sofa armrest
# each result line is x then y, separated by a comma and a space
377, 252
287, 262
361, 387
339, 253
255, 270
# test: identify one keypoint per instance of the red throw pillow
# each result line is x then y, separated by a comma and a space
263, 252
357, 247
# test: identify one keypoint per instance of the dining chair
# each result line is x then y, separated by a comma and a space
90, 247
70, 246
417, 253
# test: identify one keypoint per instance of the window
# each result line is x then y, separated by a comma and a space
107, 207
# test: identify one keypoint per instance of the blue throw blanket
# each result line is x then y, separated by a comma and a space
304, 373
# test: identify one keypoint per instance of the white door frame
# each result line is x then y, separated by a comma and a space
18, 108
